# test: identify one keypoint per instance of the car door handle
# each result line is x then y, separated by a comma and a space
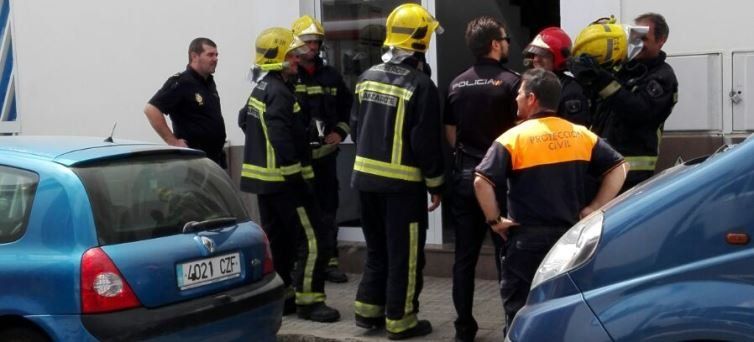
737, 238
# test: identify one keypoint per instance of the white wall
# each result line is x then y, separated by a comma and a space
84, 64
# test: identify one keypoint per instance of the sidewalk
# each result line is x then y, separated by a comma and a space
436, 306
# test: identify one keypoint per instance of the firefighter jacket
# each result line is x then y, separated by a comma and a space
277, 153
396, 124
574, 103
324, 95
630, 112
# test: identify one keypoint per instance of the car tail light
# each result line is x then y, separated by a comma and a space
103, 288
267, 266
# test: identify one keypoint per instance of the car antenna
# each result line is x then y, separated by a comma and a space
110, 138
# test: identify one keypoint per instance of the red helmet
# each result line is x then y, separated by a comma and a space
551, 41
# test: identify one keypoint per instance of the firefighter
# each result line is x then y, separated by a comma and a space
322, 92
633, 99
550, 50
396, 125
542, 162
277, 167
481, 105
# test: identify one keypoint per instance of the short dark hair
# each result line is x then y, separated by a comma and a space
197, 46
661, 26
544, 85
480, 32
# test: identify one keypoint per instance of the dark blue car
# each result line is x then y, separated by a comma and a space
670, 260
128, 241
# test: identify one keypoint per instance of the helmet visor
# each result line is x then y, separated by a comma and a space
635, 34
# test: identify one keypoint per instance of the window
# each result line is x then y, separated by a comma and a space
17, 189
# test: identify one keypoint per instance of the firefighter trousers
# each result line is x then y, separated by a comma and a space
292, 223
469, 223
394, 226
326, 188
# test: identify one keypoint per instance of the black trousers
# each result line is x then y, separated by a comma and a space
526, 247
291, 219
326, 188
470, 226
394, 226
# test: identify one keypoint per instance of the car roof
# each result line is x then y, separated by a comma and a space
71, 150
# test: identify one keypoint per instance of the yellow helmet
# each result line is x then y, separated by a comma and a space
273, 44
410, 27
308, 28
604, 40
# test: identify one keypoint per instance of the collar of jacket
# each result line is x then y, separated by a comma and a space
542, 114
651, 63
198, 77
486, 61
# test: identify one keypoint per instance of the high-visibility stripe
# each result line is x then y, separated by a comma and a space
311, 252
300, 88
368, 310
413, 253
290, 169
435, 181
384, 89
261, 107
308, 298
262, 173
296, 107
323, 151
642, 163
400, 114
383, 169
314, 90
610, 89
307, 172
331, 91
271, 67
344, 126
400, 325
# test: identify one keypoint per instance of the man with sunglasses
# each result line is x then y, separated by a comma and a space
481, 105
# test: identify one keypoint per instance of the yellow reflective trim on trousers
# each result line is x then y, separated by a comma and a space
344, 126
290, 169
323, 151
296, 107
401, 325
387, 170
641, 163
434, 182
383, 88
413, 253
307, 172
261, 173
311, 255
308, 298
397, 154
368, 310
314, 90
269, 151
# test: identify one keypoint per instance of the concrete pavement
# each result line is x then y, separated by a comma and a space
436, 305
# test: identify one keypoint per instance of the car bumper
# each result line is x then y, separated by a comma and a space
239, 314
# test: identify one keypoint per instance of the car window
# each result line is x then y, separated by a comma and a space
152, 196
17, 189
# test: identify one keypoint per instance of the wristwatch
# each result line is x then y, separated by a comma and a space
495, 221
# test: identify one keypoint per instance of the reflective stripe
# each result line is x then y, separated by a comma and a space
331, 91
307, 172
261, 107
271, 67
308, 298
434, 182
344, 126
610, 89
400, 114
323, 151
314, 90
333, 262
290, 169
388, 170
400, 325
262, 173
413, 252
642, 163
296, 107
300, 88
384, 89
368, 310
311, 253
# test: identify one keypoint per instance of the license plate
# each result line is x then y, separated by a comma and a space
207, 271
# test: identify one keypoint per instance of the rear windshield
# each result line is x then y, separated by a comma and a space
152, 196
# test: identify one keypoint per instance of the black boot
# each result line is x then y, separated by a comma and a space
334, 275
318, 312
369, 322
422, 328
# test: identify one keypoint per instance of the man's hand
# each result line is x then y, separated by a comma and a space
436, 199
502, 227
585, 212
333, 138
178, 143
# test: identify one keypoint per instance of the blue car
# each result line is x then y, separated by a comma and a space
128, 241
670, 260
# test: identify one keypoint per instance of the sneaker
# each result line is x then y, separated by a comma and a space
422, 328
318, 312
334, 275
290, 306
369, 322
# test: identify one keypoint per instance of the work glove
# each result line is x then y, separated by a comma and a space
590, 75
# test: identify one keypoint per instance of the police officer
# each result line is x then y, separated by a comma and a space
632, 103
190, 98
276, 167
481, 105
550, 50
322, 92
397, 128
544, 161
